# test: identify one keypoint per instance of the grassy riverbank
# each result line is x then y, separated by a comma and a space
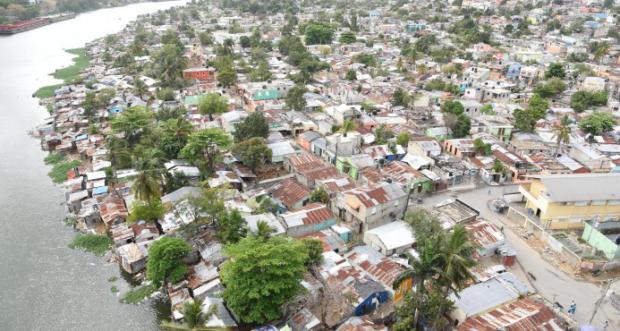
68, 74
60, 166
96, 244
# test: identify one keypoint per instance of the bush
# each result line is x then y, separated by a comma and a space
96, 244
59, 171
54, 158
138, 294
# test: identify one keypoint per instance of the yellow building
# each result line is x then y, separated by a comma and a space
566, 201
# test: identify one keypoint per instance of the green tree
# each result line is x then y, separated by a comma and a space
255, 125
262, 275
347, 38
212, 103
244, 42
457, 258
314, 250
524, 120
139, 87
192, 313
166, 94
147, 186
166, 260
383, 134
562, 131
441, 268
403, 139
261, 72
481, 148
295, 98
252, 152
318, 33
231, 227
552, 87
582, 100
174, 134
205, 38
169, 64
319, 195
351, 75
598, 122
498, 167
599, 49
456, 119
401, 97
227, 76
366, 59
538, 106
555, 70
487, 109
150, 212
263, 230
133, 123
203, 148
347, 126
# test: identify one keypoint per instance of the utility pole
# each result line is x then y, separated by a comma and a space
600, 300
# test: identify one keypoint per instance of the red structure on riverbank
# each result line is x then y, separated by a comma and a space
23, 25
33, 23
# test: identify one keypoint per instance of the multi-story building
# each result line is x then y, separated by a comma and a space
566, 201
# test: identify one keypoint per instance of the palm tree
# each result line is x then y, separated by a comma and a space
347, 126
424, 269
146, 186
456, 255
194, 318
601, 50
264, 230
175, 133
561, 132
192, 312
139, 87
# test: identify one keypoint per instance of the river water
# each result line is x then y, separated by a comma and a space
44, 285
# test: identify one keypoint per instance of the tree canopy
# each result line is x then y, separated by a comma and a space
318, 33
204, 146
598, 122
166, 260
255, 125
212, 103
262, 275
295, 98
583, 100
252, 152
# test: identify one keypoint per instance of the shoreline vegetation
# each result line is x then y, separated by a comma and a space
68, 75
93, 243
60, 166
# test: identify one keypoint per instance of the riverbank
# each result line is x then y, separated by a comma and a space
67, 74
40, 272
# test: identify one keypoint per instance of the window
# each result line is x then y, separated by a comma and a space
373, 210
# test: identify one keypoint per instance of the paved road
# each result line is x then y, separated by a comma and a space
550, 281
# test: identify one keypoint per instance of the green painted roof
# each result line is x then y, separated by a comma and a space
191, 100
270, 94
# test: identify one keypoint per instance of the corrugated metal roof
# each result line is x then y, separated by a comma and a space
290, 192
522, 315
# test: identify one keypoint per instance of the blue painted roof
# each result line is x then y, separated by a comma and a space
100, 190
81, 137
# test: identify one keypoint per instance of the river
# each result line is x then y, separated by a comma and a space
44, 285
